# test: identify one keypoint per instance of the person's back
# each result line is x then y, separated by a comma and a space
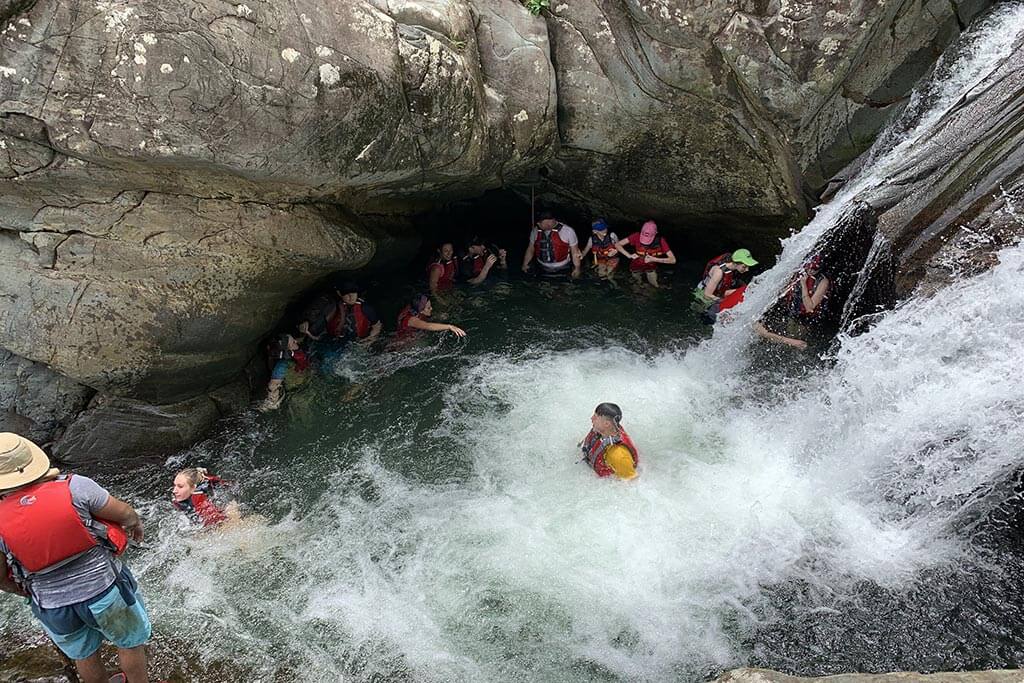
607, 448
59, 540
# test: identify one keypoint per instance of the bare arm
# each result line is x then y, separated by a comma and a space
669, 259
713, 280
764, 332
488, 264
375, 331
577, 260
586, 249
528, 256
124, 514
435, 327
812, 301
304, 330
619, 248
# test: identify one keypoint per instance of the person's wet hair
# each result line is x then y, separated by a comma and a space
609, 410
419, 301
195, 475
545, 216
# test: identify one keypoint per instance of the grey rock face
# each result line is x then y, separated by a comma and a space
36, 401
173, 173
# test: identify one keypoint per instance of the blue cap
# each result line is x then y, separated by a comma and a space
598, 225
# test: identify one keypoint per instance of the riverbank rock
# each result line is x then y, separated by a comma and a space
767, 676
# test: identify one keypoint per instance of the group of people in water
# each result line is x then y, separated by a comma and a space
341, 316
62, 536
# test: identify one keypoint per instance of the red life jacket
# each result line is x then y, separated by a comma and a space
404, 316
728, 275
654, 249
551, 248
336, 323
41, 527
604, 249
201, 504
447, 277
594, 447
796, 299
476, 263
361, 324
301, 360
730, 300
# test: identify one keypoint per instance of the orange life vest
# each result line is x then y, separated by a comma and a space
41, 528
595, 446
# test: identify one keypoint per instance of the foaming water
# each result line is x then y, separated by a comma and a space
962, 70
475, 546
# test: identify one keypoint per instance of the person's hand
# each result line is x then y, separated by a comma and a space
134, 532
458, 331
650, 259
491, 260
633, 256
526, 267
502, 254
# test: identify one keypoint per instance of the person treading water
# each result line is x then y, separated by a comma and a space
607, 448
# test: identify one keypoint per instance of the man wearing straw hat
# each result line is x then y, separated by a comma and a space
59, 540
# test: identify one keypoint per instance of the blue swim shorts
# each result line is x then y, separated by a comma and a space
79, 629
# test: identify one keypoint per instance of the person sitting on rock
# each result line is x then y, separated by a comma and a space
804, 302
193, 494
720, 280
441, 272
479, 259
61, 541
602, 244
555, 247
607, 448
353, 319
415, 317
649, 250
289, 369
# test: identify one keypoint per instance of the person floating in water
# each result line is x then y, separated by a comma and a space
290, 366
192, 493
479, 260
607, 447
720, 282
602, 244
353, 318
415, 317
804, 303
649, 250
555, 246
442, 270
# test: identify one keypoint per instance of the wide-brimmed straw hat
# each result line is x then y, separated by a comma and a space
21, 462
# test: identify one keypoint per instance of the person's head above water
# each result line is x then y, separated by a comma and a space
743, 259
186, 481
446, 252
546, 220
648, 233
607, 418
476, 246
347, 291
421, 305
599, 225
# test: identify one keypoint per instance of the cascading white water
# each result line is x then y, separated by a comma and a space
956, 76
477, 548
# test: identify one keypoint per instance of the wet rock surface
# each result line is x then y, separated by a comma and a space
173, 174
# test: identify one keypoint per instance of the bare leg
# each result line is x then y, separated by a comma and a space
133, 663
90, 670
652, 278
